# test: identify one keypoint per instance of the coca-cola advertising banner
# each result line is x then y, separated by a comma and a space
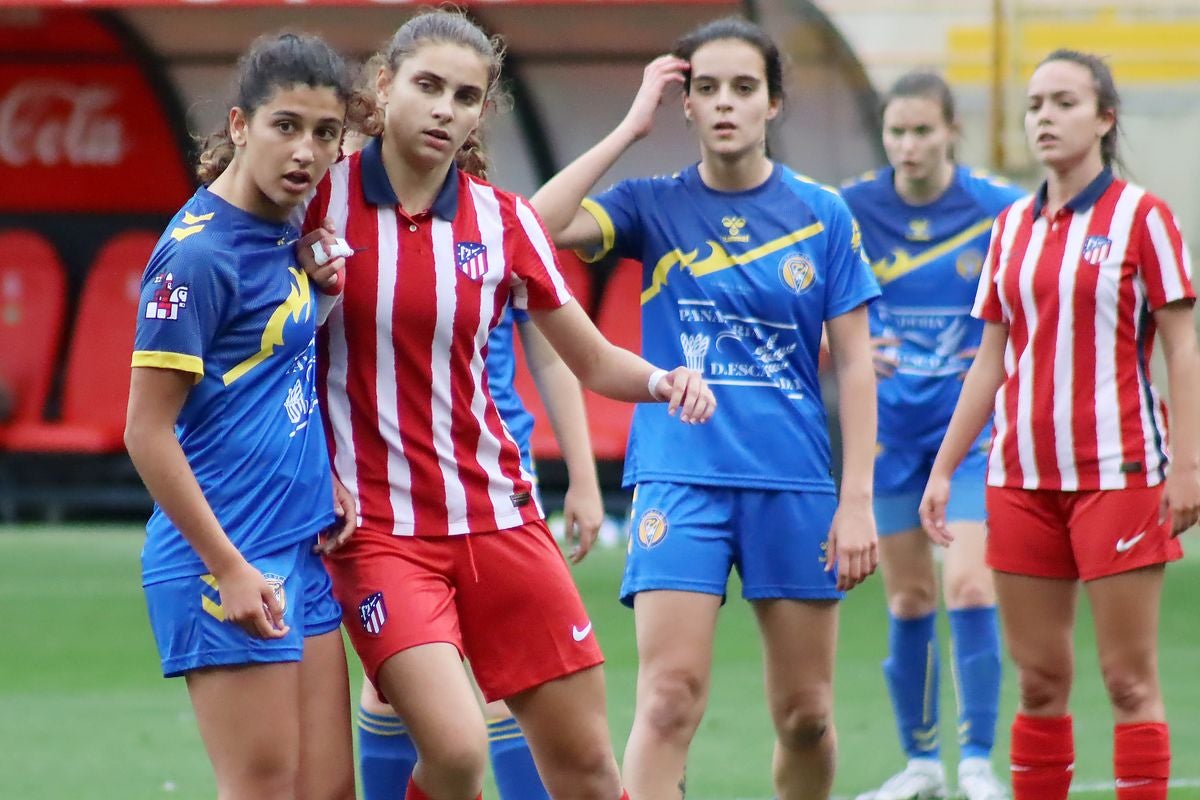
85, 138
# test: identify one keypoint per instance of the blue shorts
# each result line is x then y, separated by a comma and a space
189, 627
900, 477
687, 537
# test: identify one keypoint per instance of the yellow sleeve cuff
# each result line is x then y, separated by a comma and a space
608, 233
162, 360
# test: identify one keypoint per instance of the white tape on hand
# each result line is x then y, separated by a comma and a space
338, 249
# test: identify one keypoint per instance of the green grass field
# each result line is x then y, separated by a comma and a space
85, 714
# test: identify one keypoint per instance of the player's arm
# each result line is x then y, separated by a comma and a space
974, 409
1176, 326
617, 373
853, 545
558, 201
156, 397
583, 507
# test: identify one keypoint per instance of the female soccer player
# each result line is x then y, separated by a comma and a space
926, 222
387, 754
222, 427
1079, 278
743, 262
451, 556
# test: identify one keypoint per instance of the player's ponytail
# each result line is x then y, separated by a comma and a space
274, 62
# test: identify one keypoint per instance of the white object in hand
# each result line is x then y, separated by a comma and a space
339, 248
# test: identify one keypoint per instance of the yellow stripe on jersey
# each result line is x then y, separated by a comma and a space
608, 231
297, 303
179, 234
191, 219
180, 361
719, 259
212, 607
902, 263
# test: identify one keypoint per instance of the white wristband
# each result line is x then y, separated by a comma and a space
652, 384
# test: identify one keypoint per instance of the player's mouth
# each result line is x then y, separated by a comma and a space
1046, 139
297, 181
436, 137
725, 128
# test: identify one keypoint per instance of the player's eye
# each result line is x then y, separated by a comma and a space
923, 130
286, 126
329, 133
426, 86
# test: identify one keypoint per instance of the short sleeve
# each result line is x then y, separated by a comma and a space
987, 295
538, 282
185, 294
1164, 265
850, 283
616, 212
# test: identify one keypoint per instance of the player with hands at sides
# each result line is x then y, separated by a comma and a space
1080, 279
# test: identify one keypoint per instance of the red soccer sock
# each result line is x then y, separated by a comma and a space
1142, 760
414, 792
1043, 757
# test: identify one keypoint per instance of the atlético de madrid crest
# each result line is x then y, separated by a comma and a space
471, 259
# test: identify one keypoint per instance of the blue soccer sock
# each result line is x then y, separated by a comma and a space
386, 756
512, 764
975, 644
911, 671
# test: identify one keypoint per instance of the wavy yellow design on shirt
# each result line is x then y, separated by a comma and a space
902, 263
719, 259
298, 302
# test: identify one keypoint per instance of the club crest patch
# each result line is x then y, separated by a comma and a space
372, 613
168, 299
652, 528
797, 273
1096, 249
276, 584
471, 259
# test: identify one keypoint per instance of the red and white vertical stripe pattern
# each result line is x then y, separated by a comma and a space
1077, 410
414, 433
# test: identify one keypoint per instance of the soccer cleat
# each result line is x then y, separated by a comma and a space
977, 781
922, 779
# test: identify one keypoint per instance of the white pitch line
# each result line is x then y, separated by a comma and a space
1078, 788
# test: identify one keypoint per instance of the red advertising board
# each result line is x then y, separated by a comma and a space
86, 138
81, 129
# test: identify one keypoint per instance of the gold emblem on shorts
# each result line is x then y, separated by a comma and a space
652, 528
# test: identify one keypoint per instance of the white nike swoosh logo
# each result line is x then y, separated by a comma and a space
1126, 544
579, 634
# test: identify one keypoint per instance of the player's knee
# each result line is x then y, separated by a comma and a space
590, 772
970, 591
1044, 688
801, 728
455, 763
674, 703
267, 776
913, 601
1129, 691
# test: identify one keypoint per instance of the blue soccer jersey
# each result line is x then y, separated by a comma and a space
222, 298
737, 285
501, 368
927, 261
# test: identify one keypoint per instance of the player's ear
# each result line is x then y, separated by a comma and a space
383, 85
687, 107
239, 122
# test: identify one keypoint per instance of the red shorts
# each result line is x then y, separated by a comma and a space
505, 599
1051, 534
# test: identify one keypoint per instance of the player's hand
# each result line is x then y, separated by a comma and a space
686, 392
659, 74
853, 547
327, 276
933, 510
1181, 499
343, 527
583, 512
250, 603
885, 355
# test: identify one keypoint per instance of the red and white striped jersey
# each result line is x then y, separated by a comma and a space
413, 432
1077, 410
